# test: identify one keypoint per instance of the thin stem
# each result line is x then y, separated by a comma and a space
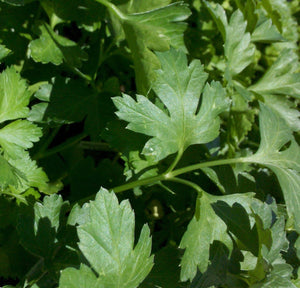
187, 183
112, 8
81, 74
175, 162
46, 143
206, 164
70, 142
146, 181
171, 175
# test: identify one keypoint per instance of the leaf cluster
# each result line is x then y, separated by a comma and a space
186, 112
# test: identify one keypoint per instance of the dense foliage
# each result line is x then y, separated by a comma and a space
149, 143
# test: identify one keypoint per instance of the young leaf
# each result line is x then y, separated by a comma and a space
281, 78
285, 164
51, 47
3, 52
107, 240
180, 94
266, 32
238, 50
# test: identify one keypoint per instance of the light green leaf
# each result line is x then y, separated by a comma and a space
205, 228
51, 47
137, 6
106, 240
286, 109
179, 87
51, 208
84, 278
153, 30
266, 32
32, 175
238, 49
3, 52
14, 96
8, 174
17, 136
282, 77
285, 164
271, 269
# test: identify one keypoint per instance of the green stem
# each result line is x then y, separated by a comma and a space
171, 175
70, 142
112, 8
175, 162
187, 183
146, 181
206, 164
46, 144
81, 74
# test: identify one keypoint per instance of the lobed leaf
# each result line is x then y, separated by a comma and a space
51, 47
153, 30
238, 49
18, 136
206, 227
14, 96
106, 240
285, 164
281, 78
178, 86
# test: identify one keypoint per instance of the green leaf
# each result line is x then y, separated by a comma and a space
238, 50
51, 47
38, 227
8, 174
107, 240
153, 30
84, 12
266, 32
286, 109
271, 269
204, 228
17, 136
14, 96
285, 164
183, 126
32, 175
281, 78
70, 101
3, 52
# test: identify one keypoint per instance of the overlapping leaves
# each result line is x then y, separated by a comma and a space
283, 160
148, 31
17, 136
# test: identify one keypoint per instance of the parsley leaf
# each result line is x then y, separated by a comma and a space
51, 47
285, 164
238, 49
179, 87
153, 30
106, 240
281, 78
